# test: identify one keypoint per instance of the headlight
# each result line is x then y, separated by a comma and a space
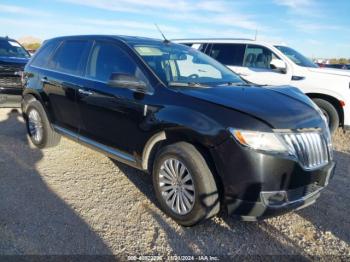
311, 147
263, 141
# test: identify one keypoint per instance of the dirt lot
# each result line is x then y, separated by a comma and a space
72, 200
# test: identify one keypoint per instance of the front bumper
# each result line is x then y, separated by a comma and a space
286, 201
258, 185
10, 97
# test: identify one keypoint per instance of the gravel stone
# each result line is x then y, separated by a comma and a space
73, 200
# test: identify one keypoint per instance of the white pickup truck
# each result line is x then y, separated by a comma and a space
267, 64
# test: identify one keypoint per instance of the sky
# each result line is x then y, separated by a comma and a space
316, 28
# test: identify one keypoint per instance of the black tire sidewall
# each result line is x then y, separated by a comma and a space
198, 211
35, 105
332, 113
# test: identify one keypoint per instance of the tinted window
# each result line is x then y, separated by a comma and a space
108, 58
9, 48
203, 47
258, 57
228, 54
69, 56
42, 56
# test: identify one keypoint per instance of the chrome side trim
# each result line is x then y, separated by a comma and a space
149, 92
66, 132
67, 74
109, 151
149, 146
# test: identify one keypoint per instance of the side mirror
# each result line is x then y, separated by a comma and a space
131, 82
278, 65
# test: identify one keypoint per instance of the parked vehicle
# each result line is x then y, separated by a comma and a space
209, 139
336, 66
266, 64
13, 58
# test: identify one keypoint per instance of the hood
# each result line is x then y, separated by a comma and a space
330, 71
280, 107
13, 60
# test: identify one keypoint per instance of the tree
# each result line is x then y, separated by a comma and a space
32, 46
343, 61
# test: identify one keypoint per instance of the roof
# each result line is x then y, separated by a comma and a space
211, 39
224, 40
128, 39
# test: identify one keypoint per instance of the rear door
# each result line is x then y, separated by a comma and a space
61, 79
231, 55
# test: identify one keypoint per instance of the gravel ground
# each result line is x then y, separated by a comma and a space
72, 200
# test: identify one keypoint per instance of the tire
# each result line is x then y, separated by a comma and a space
206, 202
48, 137
330, 113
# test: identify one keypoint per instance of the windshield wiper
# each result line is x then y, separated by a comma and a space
236, 84
186, 84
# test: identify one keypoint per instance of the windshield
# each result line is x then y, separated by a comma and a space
174, 63
296, 57
10, 48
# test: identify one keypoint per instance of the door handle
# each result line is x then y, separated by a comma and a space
243, 74
84, 92
44, 80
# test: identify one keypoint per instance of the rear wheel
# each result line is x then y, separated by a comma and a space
330, 112
184, 184
38, 126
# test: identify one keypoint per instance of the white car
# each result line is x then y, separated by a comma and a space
267, 64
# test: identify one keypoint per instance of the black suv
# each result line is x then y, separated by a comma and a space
210, 140
13, 58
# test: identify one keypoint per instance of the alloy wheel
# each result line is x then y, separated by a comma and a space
177, 186
35, 125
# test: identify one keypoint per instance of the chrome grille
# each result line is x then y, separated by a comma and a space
10, 68
311, 148
14, 82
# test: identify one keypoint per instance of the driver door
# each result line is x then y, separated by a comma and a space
111, 116
257, 69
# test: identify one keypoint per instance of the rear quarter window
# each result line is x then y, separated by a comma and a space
41, 58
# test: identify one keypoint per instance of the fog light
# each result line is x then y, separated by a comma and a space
274, 198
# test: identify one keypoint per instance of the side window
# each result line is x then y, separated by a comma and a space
107, 58
228, 54
41, 58
202, 47
258, 57
69, 56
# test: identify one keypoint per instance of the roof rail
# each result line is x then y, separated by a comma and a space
209, 39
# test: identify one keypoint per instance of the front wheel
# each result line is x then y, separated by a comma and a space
184, 184
330, 113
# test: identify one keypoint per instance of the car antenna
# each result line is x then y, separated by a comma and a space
256, 34
160, 31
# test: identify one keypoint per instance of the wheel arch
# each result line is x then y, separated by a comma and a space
28, 95
168, 137
334, 101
